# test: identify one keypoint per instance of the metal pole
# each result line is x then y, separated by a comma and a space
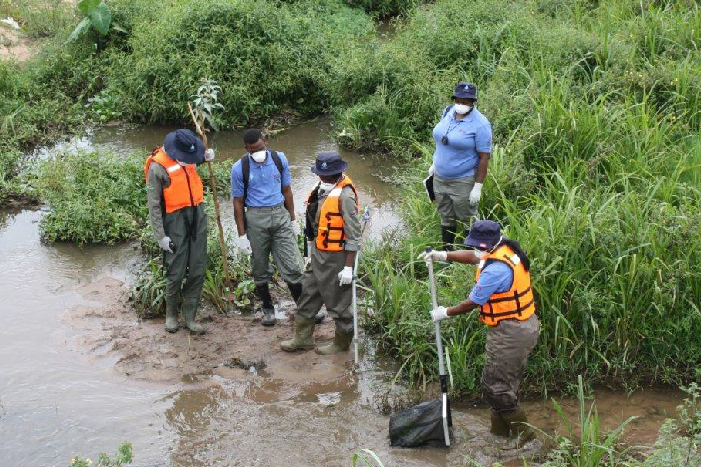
439, 346
355, 310
365, 219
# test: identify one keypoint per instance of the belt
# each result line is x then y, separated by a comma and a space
267, 208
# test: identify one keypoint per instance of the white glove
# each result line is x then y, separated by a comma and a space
434, 255
476, 193
296, 228
164, 243
209, 155
431, 170
244, 244
439, 313
345, 277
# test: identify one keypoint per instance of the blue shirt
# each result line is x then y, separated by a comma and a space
263, 181
496, 277
466, 137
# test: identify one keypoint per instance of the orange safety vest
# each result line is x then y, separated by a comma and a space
517, 302
185, 187
330, 235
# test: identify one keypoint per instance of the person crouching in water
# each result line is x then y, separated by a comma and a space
333, 229
504, 296
175, 197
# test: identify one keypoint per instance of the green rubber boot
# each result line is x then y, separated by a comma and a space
172, 316
190, 309
304, 335
518, 426
341, 343
499, 426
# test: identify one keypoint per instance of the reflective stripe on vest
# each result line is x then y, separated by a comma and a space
330, 234
185, 187
517, 302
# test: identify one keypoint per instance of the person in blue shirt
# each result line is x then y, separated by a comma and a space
504, 296
463, 145
265, 218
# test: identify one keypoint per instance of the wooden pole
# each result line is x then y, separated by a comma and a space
213, 185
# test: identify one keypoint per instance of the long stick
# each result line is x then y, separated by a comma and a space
439, 345
212, 184
366, 218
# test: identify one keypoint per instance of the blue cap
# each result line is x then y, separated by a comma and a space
329, 163
465, 90
484, 235
184, 146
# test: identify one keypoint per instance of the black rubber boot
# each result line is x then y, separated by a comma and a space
263, 292
190, 311
295, 291
518, 426
448, 237
499, 426
319, 317
171, 316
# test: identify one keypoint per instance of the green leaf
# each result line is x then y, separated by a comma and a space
101, 18
87, 6
118, 28
80, 29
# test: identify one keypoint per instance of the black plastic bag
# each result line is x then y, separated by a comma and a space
420, 425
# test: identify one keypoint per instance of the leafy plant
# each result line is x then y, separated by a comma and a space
148, 291
123, 457
97, 16
361, 458
590, 448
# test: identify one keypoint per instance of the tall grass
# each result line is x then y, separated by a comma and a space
595, 172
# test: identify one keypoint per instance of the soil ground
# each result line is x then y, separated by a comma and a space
14, 44
233, 344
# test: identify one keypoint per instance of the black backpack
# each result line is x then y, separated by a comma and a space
246, 171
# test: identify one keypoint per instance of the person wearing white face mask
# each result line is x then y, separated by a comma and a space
505, 299
463, 145
333, 230
265, 218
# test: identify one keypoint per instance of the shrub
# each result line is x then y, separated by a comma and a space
268, 57
93, 198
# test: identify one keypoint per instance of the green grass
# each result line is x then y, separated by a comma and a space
595, 172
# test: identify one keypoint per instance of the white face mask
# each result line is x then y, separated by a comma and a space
326, 187
462, 109
480, 253
259, 156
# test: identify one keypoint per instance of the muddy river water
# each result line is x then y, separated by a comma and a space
79, 373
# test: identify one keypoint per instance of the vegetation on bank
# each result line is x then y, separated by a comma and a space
595, 109
595, 172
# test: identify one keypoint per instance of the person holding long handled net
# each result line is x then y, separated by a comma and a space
505, 299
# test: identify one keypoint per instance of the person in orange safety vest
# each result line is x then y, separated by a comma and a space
175, 199
333, 234
504, 296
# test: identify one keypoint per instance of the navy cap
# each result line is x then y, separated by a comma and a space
484, 235
465, 90
329, 163
184, 146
